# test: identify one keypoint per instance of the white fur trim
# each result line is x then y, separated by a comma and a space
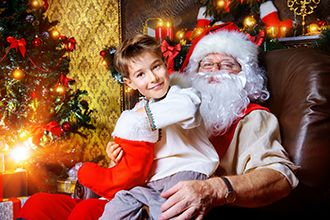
201, 14
134, 126
232, 43
267, 8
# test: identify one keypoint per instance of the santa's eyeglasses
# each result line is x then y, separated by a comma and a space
209, 65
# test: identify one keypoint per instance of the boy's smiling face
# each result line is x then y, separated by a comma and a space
148, 74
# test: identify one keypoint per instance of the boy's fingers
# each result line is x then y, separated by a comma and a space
120, 155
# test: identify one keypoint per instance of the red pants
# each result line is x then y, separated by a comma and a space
48, 206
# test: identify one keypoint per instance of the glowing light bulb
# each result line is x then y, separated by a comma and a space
220, 3
60, 89
18, 74
20, 153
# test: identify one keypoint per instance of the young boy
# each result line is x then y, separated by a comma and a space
182, 152
163, 141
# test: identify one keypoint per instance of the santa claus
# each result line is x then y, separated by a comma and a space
222, 64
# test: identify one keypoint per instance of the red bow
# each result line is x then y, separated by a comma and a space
17, 44
65, 80
227, 6
259, 39
52, 127
169, 53
70, 44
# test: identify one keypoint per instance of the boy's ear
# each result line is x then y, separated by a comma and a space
129, 83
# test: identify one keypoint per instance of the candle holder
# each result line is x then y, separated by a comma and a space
159, 21
162, 28
303, 8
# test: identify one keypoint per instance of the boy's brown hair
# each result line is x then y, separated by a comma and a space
131, 49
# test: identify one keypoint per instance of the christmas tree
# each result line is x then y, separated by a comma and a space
39, 103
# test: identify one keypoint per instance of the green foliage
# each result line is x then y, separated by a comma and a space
324, 42
108, 54
236, 12
31, 101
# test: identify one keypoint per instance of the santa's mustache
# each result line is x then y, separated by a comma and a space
220, 76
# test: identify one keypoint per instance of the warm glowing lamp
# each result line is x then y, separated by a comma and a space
19, 153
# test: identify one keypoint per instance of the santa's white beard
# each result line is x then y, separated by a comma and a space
223, 99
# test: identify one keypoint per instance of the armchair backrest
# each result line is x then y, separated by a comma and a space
299, 83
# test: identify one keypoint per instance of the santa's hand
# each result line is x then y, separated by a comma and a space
187, 199
114, 152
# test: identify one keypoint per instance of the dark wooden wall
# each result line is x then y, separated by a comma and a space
184, 13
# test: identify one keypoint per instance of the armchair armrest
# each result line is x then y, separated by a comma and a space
83, 192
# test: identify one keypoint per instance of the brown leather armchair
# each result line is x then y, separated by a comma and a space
299, 82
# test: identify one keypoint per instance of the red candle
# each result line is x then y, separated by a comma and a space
159, 31
169, 31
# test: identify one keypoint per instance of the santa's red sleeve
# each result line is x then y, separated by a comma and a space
133, 134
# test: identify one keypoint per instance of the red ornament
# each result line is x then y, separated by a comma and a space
33, 95
36, 42
66, 126
70, 44
103, 53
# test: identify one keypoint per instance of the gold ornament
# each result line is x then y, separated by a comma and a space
55, 34
180, 34
35, 4
272, 31
302, 8
196, 32
18, 74
313, 29
283, 31
220, 3
249, 22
